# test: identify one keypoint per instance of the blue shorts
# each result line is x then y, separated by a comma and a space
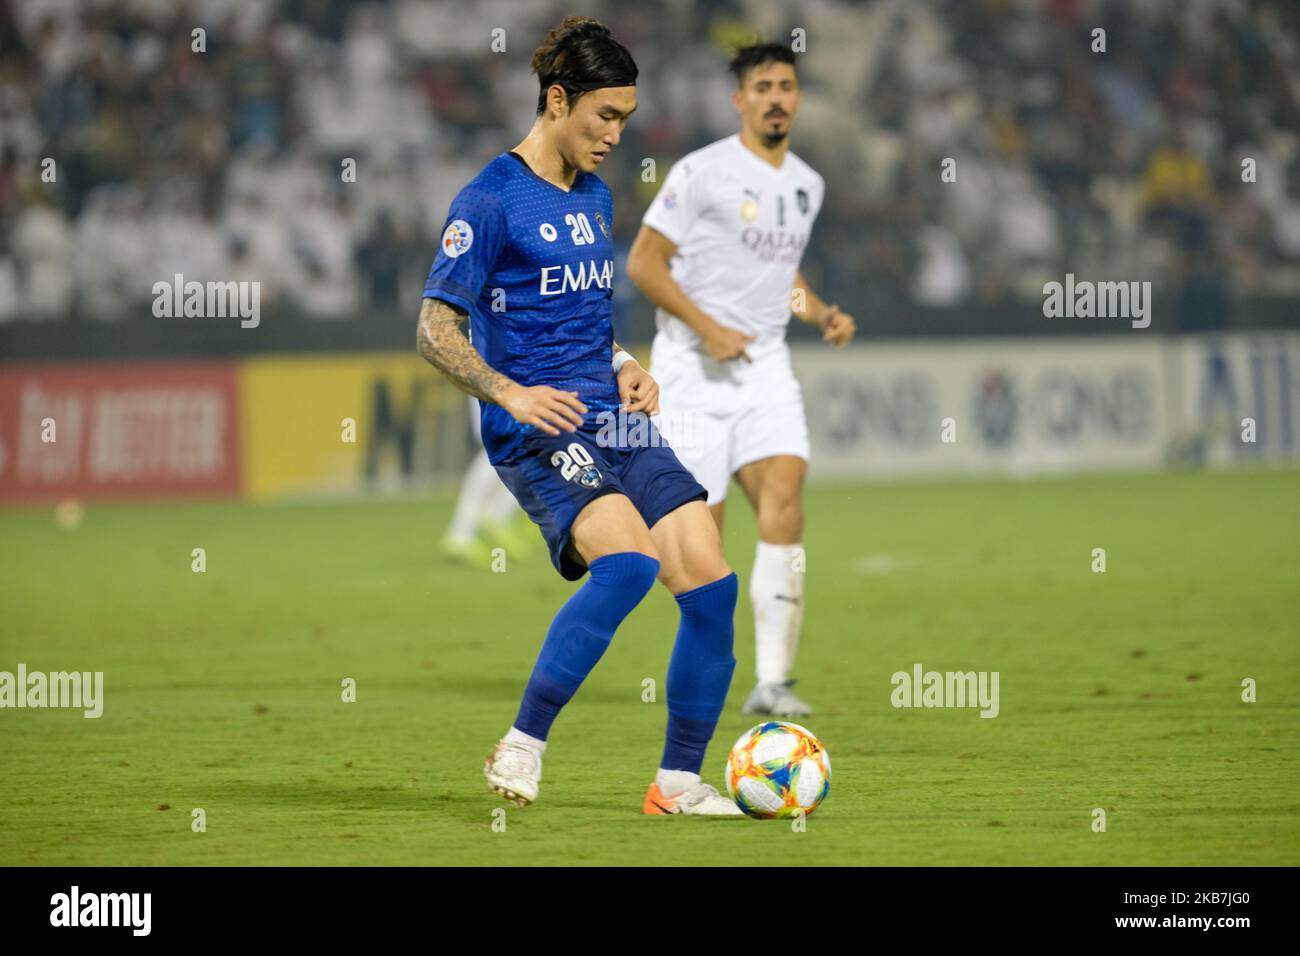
553, 477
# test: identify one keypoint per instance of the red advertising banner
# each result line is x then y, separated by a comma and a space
138, 429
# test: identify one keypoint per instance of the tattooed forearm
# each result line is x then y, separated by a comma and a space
445, 347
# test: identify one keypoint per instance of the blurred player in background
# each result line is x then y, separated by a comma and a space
486, 512
718, 253
526, 253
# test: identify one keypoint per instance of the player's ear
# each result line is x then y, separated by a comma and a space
557, 103
735, 100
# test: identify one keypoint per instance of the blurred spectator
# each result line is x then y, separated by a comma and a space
229, 161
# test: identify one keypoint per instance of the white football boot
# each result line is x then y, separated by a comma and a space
514, 771
698, 800
776, 699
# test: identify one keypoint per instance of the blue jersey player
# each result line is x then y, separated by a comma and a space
526, 255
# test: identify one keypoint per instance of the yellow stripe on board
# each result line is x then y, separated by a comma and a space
410, 424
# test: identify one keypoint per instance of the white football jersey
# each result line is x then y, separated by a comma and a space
741, 226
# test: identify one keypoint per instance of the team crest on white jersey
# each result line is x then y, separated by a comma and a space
457, 238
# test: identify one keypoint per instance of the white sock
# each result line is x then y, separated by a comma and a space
673, 782
480, 482
515, 736
776, 591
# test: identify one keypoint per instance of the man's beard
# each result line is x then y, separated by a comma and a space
771, 139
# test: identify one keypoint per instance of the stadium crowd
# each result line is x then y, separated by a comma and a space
232, 162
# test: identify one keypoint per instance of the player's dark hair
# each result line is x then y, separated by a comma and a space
759, 54
581, 55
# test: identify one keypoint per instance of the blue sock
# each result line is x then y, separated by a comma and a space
699, 672
580, 633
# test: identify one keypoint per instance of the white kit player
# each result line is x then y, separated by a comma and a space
718, 253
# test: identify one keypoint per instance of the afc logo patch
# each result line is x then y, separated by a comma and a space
457, 238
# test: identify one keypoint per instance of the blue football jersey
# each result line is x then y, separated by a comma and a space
533, 266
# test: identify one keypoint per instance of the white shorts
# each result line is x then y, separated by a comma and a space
719, 416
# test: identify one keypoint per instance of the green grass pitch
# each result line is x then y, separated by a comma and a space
1119, 690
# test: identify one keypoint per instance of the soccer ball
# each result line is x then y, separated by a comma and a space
777, 768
